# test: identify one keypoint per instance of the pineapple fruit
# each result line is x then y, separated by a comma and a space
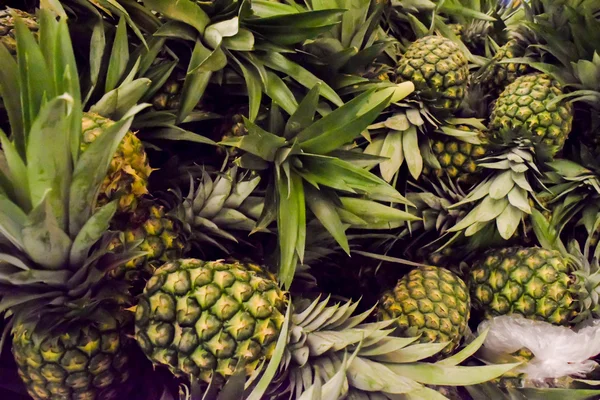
438, 68
457, 158
530, 281
528, 102
201, 318
84, 361
429, 302
127, 177
499, 75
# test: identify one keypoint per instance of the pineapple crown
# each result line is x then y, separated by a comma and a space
53, 240
300, 159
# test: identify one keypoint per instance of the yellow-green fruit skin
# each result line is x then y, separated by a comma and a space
457, 158
7, 27
159, 235
502, 74
86, 362
129, 170
429, 302
529, 281
201, 318
528, 102
439, 68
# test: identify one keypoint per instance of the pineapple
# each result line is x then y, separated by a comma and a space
529, 102
127, 177
68, 328
161, 235
458, 159
438, 68
429, 302
202, 318
530, 281
7, 27
497, 76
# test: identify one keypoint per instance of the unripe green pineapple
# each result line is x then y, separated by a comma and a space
202, 318
431, 302
162, 236
528, 103
530, 281
438, 68
79, 361
457, 158
499, 75
127, 177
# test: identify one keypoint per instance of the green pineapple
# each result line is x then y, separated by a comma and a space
438, 68
429, 302
531, 281
457, 158
497, 76
528, 102
68, 327
203, 318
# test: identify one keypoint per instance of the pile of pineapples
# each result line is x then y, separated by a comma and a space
270, 199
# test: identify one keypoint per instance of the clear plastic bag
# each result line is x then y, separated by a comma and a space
558, 351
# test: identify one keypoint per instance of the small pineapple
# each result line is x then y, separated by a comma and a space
530, 281
201, 318
127, 177
528, 103
431, 302
161, 235
499, 75
438, 68
457, 158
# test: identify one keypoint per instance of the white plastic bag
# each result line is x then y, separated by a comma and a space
558, 351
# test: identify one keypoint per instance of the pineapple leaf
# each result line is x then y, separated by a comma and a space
119, 57
391, 149
44, 241
467, 352
90, 170
33, 76
17, 181
48, 158
291, 224
434, 374
91, 232
257, 142
182, 10
281, 94
367, 375
9, 86
305, 113
325, 210
278, 62
12, 220
349, 127
413, 157
117, 102
375, 213
253, 85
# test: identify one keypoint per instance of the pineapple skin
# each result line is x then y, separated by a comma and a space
431, 302
438, 67
457, 158
529, 281
129, 170
526, 103
161, 236
500, 75
88, 361
201, 318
